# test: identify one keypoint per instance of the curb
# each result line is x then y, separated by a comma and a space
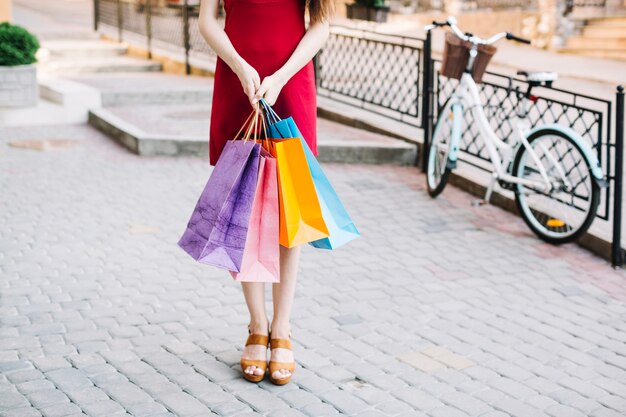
144, 144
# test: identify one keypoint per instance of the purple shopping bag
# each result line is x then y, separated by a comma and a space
216, 232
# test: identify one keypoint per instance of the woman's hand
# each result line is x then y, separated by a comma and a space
250, 80
270, 88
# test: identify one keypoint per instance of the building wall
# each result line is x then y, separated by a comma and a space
5, 10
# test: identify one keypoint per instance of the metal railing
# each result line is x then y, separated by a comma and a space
370, 70
497, 4
396, 77
153, 24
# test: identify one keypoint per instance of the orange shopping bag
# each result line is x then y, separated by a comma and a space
261, 262
301, 219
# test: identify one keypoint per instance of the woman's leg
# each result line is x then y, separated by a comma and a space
254, 293
283, 294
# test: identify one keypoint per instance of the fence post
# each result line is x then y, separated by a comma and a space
427, 93
148, 10
120, 20
96, 14
616, 255
186, 36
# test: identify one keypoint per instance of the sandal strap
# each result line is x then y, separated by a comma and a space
280, 343
257, 339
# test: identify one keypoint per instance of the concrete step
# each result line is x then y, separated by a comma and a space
46, 112
183, 130
83, 48
90, 65
604, 32
125, 89
597, 53
581, 42
49, 35
616, 21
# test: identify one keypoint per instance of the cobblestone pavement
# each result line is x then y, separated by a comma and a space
440, 309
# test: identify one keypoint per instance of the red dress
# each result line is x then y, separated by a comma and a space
265, 33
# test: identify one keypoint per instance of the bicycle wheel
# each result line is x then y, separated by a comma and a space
565, 212
437, 173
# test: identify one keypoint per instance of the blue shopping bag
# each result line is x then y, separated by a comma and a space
340, 225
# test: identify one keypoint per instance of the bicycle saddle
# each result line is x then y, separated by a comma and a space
539, 77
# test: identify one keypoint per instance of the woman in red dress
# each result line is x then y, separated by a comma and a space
265, 51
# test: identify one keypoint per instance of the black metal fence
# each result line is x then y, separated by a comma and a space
154, 24
378, 72
497, 4
396, 77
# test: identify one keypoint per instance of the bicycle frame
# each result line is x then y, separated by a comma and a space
467, 93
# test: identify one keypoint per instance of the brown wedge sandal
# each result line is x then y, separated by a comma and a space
254, 339
275, 366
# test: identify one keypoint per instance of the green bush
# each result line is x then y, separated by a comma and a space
17, 45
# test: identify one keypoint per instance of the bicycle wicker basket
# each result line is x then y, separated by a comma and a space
456, 55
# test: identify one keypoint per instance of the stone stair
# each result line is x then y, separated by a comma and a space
62, 57
86, 79
602, 37
162, 114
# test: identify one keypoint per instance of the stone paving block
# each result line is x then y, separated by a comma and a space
314, 384
516, 408
68, 378
584, 388
102, 408
286, 412
416, 398
298, 398
614, 402
12, 366
393, 407
465, 402
261, 400
24, 375
420, 361
48, 397
445, 411
344, 401
12, 400
50, 363
86, 395
512, 388
216, 371
21, 412
231, 408
60, 410
35, 385
606, 412
181, 403
319, 410
559, 410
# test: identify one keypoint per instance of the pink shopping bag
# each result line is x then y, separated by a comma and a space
261, 253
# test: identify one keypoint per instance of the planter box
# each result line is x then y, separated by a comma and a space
360, 12
378, 14
18, 86
356, 11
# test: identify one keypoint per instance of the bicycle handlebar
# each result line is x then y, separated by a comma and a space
451, 23
512, 37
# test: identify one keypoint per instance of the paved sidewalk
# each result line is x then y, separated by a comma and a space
440, 309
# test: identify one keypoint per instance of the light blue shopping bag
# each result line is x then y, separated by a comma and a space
340, 226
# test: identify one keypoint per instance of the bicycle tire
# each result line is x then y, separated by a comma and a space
435, 189
594, 197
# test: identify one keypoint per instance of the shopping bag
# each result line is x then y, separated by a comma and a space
261, 258
218, 226
300, 214
340, 225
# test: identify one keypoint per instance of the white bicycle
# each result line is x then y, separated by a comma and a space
553, 172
